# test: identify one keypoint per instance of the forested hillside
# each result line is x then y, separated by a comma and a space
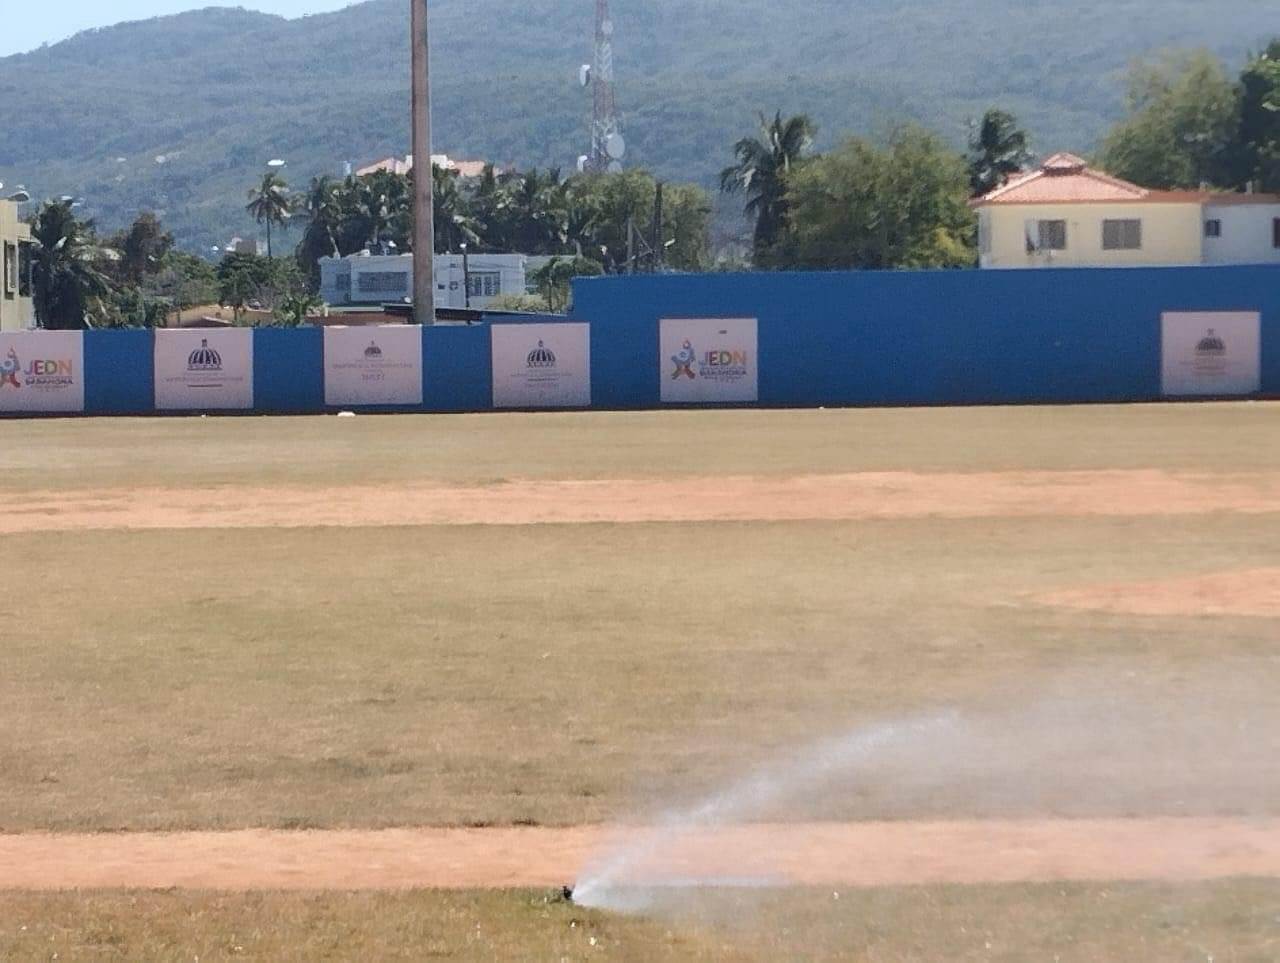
180, 113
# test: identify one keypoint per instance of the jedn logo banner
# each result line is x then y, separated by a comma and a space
541, 365
709, 360
204, 368
1211, 353
373, 366
42, 371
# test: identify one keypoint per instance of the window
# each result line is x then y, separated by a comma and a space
1122, 235
1046, 236
10, 270
383, 282
984, 233
26, 251
484, 284
1213, 228
1275, 233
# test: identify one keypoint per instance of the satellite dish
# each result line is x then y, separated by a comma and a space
606, 28
584, 75
615, 146
615, 167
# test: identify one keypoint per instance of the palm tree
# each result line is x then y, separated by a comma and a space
761, 172
270, 203
67, 268
998, 149
323, 204
453, 221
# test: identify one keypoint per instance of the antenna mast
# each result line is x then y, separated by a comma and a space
607, 144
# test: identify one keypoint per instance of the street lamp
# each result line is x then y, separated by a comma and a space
466, 276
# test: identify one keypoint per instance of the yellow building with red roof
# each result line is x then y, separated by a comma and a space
1067, 214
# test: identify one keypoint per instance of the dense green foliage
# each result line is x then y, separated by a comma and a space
1192, 123
180, 114
904, 205
586, 217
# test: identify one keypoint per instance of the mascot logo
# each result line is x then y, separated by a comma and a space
684, 360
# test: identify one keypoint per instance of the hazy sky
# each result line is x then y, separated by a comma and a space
26, 25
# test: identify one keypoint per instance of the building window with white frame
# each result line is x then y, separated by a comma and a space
1122, 234
1213, 228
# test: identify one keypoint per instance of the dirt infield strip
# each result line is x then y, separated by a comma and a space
867, 495
861, 855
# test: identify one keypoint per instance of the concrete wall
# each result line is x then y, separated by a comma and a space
1171, 235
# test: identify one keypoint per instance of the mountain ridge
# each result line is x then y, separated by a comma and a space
196, 102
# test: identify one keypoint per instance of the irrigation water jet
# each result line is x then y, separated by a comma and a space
656, 859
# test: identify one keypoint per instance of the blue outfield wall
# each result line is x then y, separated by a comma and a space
119, 376
922, 338
288, 370
860, 338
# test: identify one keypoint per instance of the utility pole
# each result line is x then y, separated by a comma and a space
424, 245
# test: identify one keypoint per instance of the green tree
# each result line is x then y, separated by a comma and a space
323, 206
998, 149
1183, 125
763, 165
269, 203
553, 279
295, 307
244, 280
454, 225
862, 206
142, 248
1260, 119
69, 268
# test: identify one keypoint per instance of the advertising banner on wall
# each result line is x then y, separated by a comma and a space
42, 371
1211, 353
709, 360
373, 366
541, 365
204, 368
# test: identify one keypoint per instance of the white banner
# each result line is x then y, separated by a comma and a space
541, 365
42, 371
373, 366
709, 360
1211, 353
203, 369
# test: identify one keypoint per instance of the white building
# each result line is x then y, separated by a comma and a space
1242, 229
380, 279
1067, 214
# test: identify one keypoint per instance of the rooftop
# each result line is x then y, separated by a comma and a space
1068, 179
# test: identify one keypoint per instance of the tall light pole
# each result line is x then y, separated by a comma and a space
423, 209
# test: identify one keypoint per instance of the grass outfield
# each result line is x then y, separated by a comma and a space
1232, 920
563, 674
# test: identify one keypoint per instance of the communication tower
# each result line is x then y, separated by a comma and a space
607, 144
